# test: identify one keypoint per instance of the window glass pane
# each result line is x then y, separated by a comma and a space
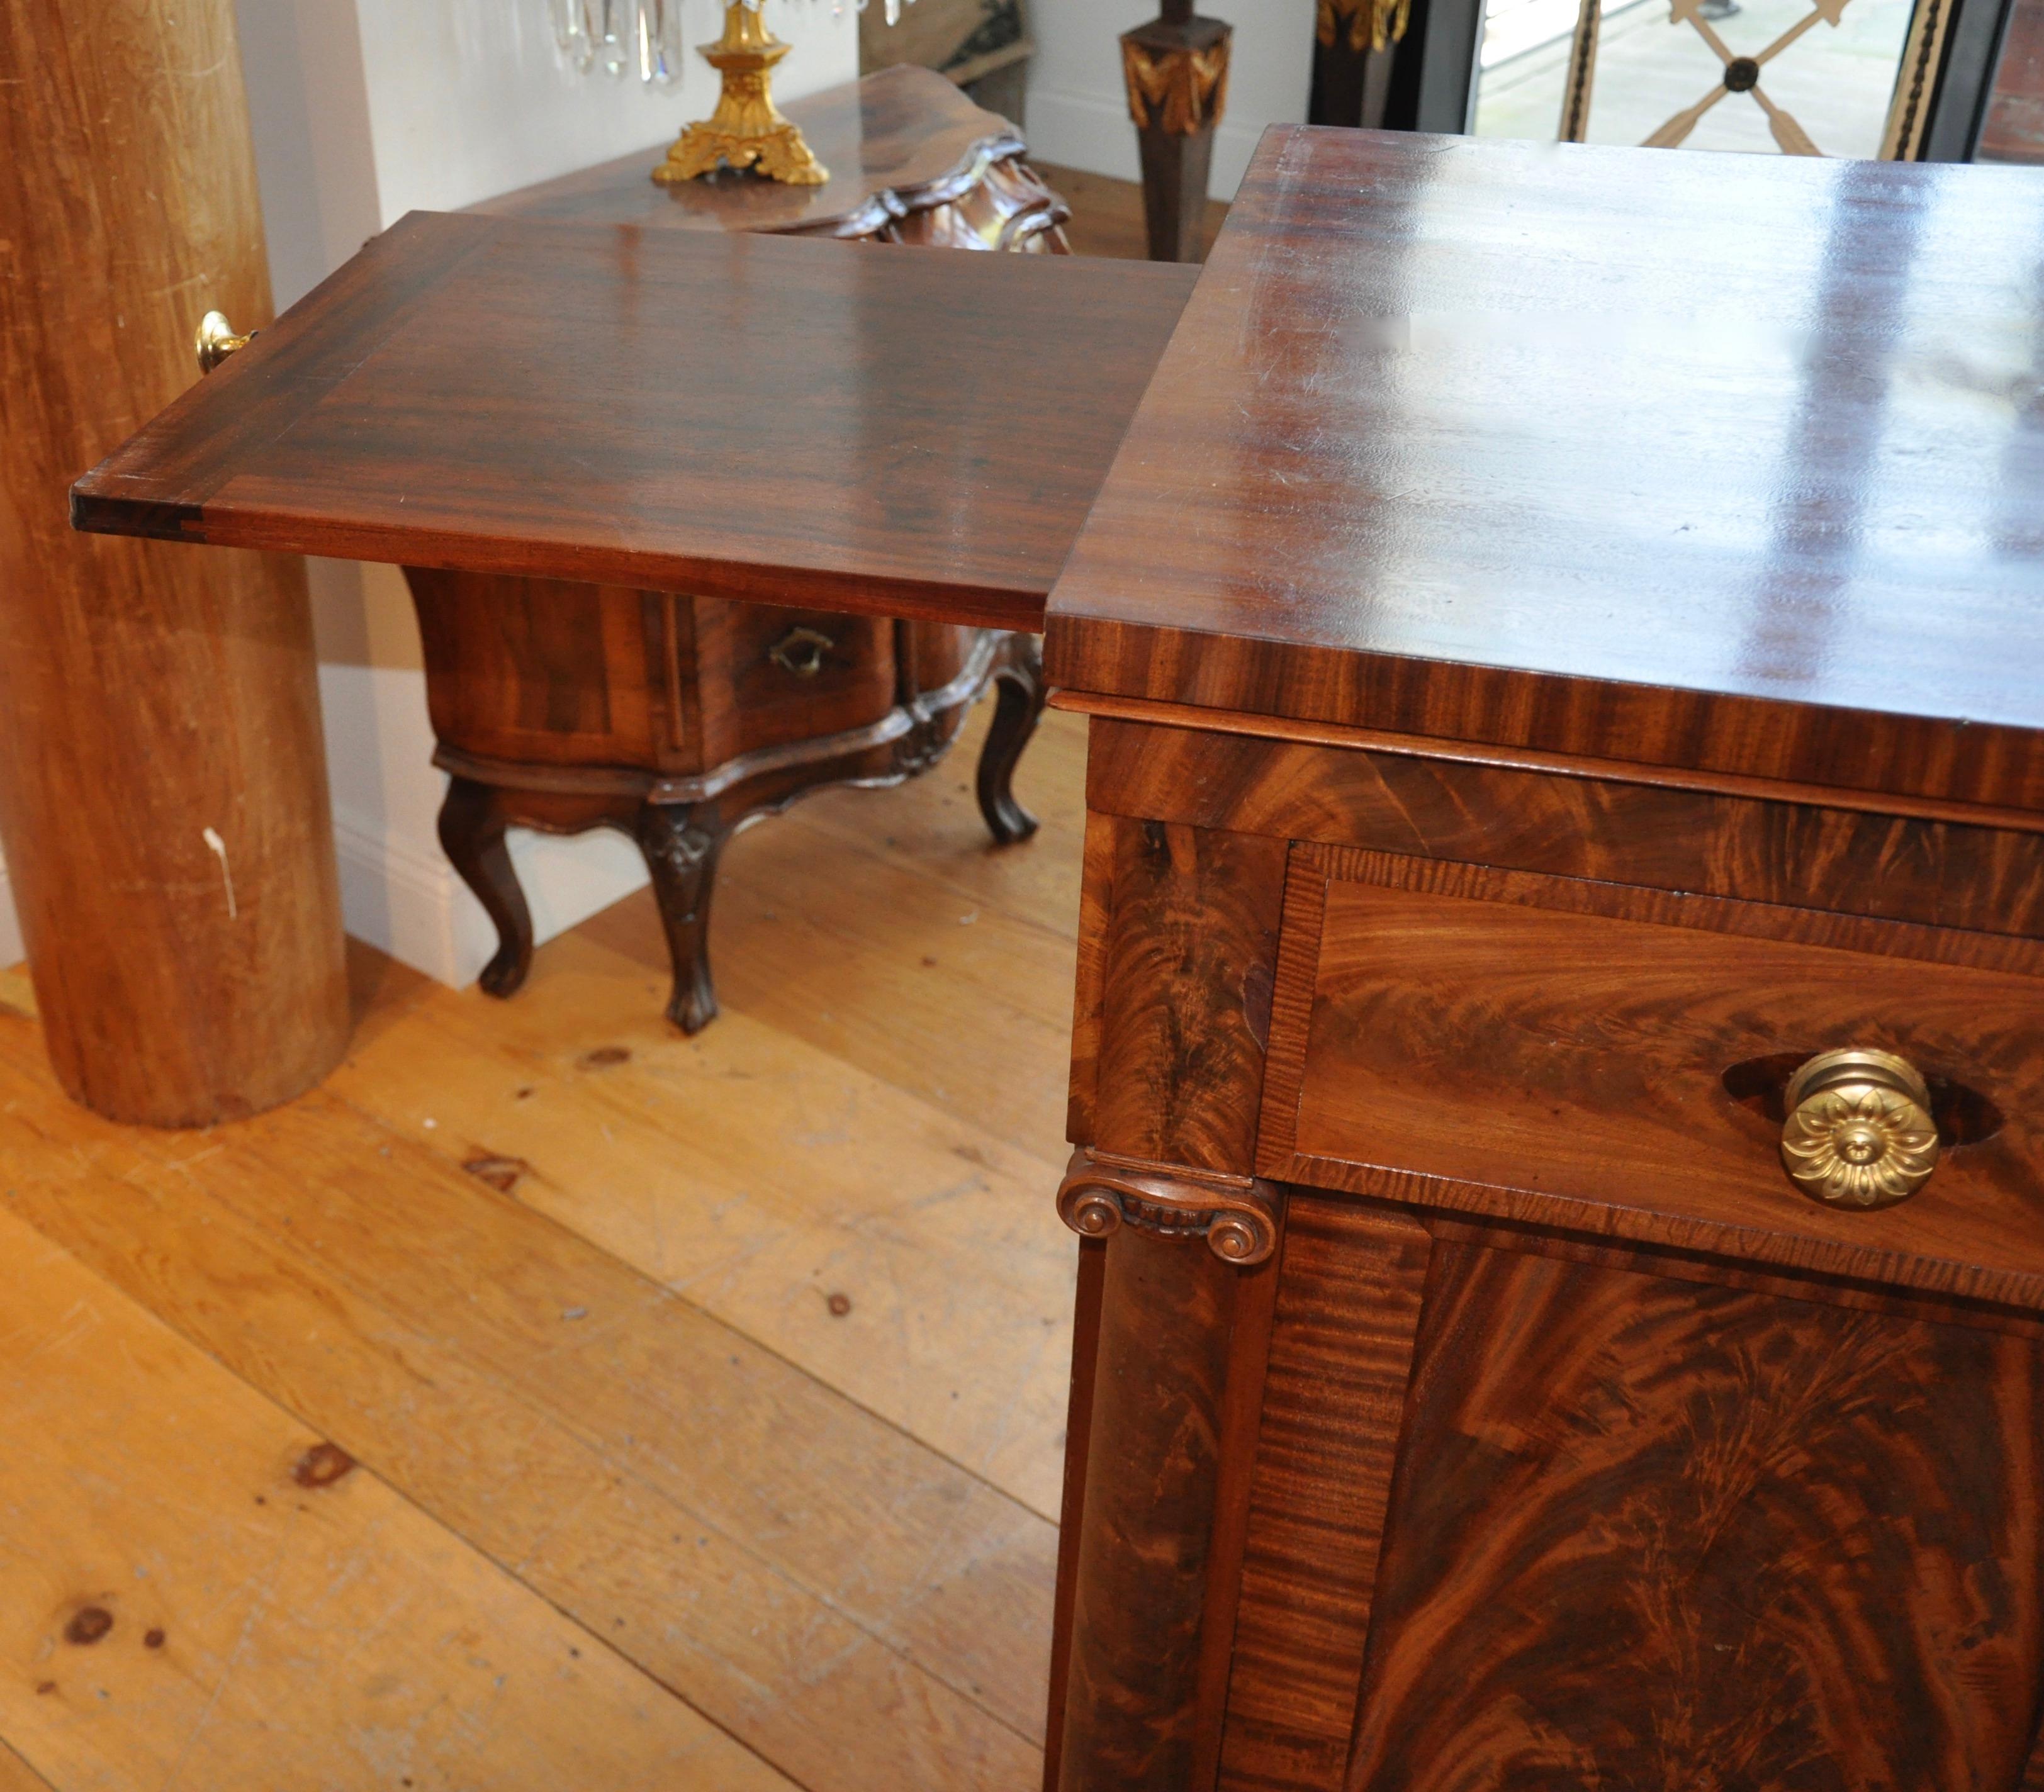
1830, 86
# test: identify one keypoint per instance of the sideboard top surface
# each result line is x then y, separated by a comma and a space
860, 428
1728, 462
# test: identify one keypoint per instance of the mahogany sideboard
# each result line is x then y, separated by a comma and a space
676, 719
1556, 1061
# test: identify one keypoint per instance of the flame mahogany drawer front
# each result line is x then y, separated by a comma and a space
1618, 1060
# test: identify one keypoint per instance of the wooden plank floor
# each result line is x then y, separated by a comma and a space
552, 1402
1107, 214
712, 1389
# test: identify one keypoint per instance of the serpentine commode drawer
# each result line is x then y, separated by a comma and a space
1824, 1090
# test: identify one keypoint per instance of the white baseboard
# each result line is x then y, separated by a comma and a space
407, 901
404, 898
10, 927
1084, 131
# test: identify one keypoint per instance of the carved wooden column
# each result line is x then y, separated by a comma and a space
162, 789
1171, 1374
1177, 71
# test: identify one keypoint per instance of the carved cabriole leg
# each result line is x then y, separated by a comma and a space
1011, 211
1018, 693
471, 827
682, 843
1176, 68
1187, 1284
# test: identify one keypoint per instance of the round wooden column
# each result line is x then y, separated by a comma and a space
163, 787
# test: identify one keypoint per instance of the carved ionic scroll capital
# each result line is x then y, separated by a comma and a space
1237, 1215
1179, 89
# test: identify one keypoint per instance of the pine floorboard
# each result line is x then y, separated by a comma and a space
197, 1597
560, 1281
1107, 214
16, 1775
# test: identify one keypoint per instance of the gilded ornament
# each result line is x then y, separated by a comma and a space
216, 340
1179, 91
1859, 1133
1370, 24
748, 129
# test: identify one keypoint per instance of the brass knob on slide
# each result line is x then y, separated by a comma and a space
1859, 1132
216, 340
802, 651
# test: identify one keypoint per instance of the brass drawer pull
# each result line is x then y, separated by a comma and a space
216, 340
1859, 1132
801, 652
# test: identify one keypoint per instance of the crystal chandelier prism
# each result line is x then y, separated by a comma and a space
615, 35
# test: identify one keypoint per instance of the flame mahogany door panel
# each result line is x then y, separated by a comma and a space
1656, 1532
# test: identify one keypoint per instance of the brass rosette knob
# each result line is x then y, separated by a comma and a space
1859, 1132
216, 340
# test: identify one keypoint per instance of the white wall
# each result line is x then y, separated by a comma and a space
1079, 109
10, 929
364, 110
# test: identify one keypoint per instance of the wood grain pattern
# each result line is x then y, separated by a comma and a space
1353, 737
756, 416
1192, 930
1295, 986
1405, 428
184, 1604
151, 697
677, 722
1568, 1041
1089, 986
828, 1567
1132, 1710
756, 1211
553, 672
1340, 1353
1648, 1534
1611, 828
1087, 1292
1186, 1003
1730, 1272
1253, 1298
16, 1775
